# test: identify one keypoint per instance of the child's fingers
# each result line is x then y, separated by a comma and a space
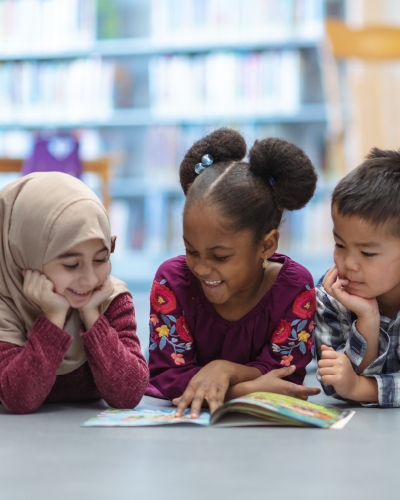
27, 279
338, 286
326, 348
330, 278
176, 401
329, 355
324, 363
184, 401
283, 372
328, 370
215, 399
301, 391
197, 403
32, 279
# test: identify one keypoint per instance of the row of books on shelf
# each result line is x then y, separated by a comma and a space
226, 82
183, 20
53, 25
256, 82
46, 24
76, 89
153, 225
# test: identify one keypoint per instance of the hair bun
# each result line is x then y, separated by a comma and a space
294, 177
224, 145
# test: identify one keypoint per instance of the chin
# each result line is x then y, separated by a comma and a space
359, 293
76, 303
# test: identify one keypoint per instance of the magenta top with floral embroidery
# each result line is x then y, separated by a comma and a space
186, 332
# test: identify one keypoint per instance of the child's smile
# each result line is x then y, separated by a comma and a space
79, 272
227, 264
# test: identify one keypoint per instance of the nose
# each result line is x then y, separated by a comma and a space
202, 268
351, 262
88, 278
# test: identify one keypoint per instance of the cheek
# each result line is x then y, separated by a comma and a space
189, 261
61, 281
385, 276
103, 272
337, 258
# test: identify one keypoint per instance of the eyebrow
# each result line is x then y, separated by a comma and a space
217, 247
367, 244
76, 254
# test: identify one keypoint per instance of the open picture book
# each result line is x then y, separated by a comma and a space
256, 409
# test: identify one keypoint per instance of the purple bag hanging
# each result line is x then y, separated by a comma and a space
56, 154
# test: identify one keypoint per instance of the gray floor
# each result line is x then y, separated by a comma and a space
47, 455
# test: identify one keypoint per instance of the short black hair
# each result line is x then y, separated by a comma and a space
372, 190
251, 195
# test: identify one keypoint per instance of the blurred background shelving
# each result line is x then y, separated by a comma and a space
141, 80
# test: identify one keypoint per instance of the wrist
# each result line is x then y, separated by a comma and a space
89, 317
370, 317
56, 317
354, 389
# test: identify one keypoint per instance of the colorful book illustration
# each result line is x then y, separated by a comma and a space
256, 409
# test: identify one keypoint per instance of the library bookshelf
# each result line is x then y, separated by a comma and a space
150, 94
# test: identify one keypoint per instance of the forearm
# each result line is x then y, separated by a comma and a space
239, 390
365, 390
28, 373
241, 378
368, 328
238, 373
119, 369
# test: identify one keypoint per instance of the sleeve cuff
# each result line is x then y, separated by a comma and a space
388, 390
50, 334
376, 366
98, 333
356, 347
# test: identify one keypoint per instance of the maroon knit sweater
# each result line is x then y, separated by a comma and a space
116, 370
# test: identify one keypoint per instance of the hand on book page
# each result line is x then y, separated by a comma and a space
209, 384
273, 382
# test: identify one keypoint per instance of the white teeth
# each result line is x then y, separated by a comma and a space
212, 282
80, 293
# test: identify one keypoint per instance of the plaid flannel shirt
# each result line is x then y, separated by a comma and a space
336, 326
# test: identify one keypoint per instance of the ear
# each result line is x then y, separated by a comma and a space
269, 244
113, 240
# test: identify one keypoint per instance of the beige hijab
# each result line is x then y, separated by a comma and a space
42, 216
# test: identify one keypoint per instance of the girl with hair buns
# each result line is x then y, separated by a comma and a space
67, 328
234, 316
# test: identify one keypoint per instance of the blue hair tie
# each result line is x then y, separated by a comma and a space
272, 181
206, 161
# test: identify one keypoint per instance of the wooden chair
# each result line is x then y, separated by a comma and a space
371, 42
373, 88
100, 167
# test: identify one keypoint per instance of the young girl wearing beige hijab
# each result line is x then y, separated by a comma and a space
67, 328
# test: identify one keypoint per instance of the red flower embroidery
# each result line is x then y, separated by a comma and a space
162, 299
286, 360
154, 319
182, 329
281, 333
310, 343
156, 337
178, 358
305, 304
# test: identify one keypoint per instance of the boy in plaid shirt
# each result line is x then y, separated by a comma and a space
358, 301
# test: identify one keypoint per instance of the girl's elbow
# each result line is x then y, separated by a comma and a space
131, 397
21, 407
